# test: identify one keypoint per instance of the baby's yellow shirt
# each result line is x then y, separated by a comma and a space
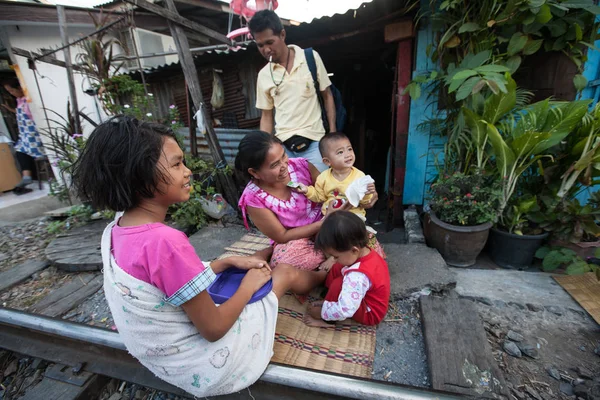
328, 188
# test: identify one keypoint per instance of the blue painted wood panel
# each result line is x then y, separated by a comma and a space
417, 157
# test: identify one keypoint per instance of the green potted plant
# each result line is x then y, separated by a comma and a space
519, 139
463, 209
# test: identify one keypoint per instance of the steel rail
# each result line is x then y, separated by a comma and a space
323, 383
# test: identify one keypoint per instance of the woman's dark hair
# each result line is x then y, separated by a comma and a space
13, 83
119, 165
263, 20
341, 231
253, 150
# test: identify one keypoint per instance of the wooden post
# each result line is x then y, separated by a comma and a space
191, 123
62, 23
193, 82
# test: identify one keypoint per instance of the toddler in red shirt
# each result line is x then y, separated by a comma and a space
359, 283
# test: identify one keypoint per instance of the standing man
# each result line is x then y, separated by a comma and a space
286, 92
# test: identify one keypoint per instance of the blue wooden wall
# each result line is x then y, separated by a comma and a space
420, 164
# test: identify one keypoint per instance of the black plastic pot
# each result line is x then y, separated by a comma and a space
514, 251
458, 245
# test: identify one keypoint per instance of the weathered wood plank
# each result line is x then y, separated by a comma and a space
458, 353
69, 295
173, 16
78, 249
21, 272
51, 389
74, 299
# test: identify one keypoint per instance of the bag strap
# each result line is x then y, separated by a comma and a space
312, 66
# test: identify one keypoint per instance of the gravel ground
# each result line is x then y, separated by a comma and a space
93, 311
400, 349
23, 241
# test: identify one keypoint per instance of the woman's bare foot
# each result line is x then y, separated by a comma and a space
317, 323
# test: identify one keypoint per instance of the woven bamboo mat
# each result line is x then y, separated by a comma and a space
585, 289
346, 348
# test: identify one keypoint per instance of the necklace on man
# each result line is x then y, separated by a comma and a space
283, 76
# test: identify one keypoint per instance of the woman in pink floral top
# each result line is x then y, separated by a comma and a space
288, 218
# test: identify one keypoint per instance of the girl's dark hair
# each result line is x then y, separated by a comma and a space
341, 231
12, 82
253, 150
119, 165
263, 20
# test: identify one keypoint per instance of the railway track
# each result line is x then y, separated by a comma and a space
100, 351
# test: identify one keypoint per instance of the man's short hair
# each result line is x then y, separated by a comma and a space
328, 138
263, 20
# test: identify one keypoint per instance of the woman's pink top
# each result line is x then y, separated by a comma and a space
295, 212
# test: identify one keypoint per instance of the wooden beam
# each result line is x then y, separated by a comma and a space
173, 16
208, 4
193, 83
62, 25
38, 57
28, 13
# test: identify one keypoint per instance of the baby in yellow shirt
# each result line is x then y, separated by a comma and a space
332, 183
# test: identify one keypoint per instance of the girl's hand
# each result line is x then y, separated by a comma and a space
255, 279
314, 309
250, 262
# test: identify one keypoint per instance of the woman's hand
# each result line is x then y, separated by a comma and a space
248, 263
255, 279
371, 190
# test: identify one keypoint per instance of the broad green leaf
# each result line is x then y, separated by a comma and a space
580, 82
467, 87
505, 158
498, 79
532, 46
476, 60
557, 27
455, 84
516, 44
498, 105
469, 27
477, 127
524, 144
597, 252
544, 15
491, 68
513, 64
562, 120
554, 260
577, 3
578, 268
527, 205
464, 74
542, 252
569, 253
536, 3
532, 119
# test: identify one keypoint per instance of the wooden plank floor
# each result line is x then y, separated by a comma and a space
20, 272
458, 353
69, 295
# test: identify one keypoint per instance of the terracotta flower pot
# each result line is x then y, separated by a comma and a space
459, 245
514, 251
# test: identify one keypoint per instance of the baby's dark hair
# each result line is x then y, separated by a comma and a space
328, 138
341, 231
252, 151
119, 165
263, 20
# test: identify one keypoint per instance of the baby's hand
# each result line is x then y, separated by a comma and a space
249, 262
302, 188
255, 279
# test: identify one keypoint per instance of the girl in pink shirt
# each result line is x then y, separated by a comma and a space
156, 285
